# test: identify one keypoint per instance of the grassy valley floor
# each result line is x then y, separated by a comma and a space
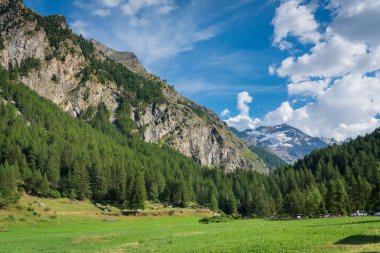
63, 226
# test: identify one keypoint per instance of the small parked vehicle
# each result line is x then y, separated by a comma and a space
376, 214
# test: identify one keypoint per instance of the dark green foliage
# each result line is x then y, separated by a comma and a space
86, 46
1, 43
270, 159
26, 66
217, 219
8, 184
137, 192
54, 78
137, 88
56, 29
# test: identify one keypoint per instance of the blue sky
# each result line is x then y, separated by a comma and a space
267, 62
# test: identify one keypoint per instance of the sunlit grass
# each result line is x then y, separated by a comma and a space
75, 231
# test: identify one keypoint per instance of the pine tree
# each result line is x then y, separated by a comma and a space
137, 193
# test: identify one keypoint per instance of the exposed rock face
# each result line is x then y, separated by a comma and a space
191, 129
23, 39
128, 59
207, 141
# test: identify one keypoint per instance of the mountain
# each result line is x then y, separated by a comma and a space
272, 160
80, 76
286, 142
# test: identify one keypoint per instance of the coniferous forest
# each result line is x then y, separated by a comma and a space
46, 152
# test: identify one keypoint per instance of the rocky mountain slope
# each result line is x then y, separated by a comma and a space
80, 75
288, 143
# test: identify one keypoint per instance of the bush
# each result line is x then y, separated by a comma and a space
10, 218
54, 78
30, 209
22, 220
1, 44
46, 209
216, 219
3, 229
53, 194
53, 216
8, 196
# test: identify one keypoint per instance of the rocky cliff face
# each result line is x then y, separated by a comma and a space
58, 74
182, 124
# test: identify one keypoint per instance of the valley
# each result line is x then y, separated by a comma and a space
97, 154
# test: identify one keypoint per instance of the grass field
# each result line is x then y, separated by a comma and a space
83, 228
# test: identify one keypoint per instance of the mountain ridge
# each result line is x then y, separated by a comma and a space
285, 141
80, 75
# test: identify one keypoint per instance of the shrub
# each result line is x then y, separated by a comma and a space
216, 219
10, 218
22, 220
54, 78
53, 194
53, 216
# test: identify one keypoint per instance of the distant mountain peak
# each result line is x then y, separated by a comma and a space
285, 141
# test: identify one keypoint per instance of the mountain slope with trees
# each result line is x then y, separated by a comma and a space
46, 152
79, 75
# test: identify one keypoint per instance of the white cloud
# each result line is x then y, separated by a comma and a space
331, 58
102, 12
334, 71
110, 3
347, 109
272, 69
225, 112
80, 27
308, 88
243, 99
243, 121
293, 18
163, 39
133, 7
357, 20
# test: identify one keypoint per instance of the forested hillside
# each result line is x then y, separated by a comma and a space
81, 76
46, 152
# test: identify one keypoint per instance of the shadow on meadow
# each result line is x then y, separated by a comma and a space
345, 223
359, 240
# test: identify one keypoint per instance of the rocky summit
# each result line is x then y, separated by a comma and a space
287, 142
79, 75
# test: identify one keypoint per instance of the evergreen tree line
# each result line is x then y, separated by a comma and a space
45, 152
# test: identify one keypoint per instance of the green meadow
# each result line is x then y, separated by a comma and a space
63, 226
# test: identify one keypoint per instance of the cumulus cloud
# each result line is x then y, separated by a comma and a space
243, 99
339, 71
225, 112
243, 121
345, 110
331, 58
295, 19
308, 88
357, 20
